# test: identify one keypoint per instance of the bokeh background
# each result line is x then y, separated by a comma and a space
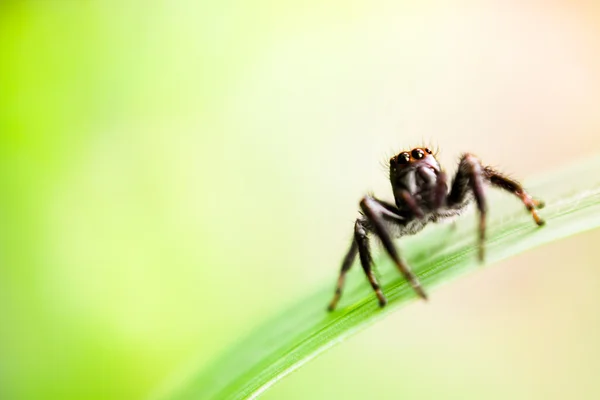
173, 173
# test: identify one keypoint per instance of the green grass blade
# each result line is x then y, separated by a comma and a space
439, 254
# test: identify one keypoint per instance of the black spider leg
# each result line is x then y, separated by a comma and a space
440, 191
470, 176
503, 182
376, 213
346, 264
362, 240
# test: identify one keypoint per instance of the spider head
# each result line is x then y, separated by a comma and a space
411, 170
410, 160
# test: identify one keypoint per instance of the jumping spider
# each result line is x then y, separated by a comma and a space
421, 195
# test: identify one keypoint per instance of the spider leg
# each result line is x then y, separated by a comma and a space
503, 182
470, 177
346, 264
362, 241
376, 211
441, 190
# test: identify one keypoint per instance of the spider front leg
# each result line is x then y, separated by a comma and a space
469, 177
362, 240
346, 264
376, 213
503, 182
360, 245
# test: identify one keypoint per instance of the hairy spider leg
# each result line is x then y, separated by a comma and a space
375, 211
362, 240
390, 213
503, 182
470, 176
346, 264
441, 190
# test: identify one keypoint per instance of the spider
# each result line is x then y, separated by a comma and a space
421, 195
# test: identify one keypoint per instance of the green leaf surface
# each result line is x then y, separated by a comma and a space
438, 255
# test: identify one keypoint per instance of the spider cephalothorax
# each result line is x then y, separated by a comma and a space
421, 194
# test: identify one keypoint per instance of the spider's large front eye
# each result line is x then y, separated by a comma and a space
403, 158
418, 154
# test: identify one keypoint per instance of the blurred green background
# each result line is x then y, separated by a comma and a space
172, 173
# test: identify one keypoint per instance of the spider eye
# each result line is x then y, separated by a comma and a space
417, 154
403, 158
428, 150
